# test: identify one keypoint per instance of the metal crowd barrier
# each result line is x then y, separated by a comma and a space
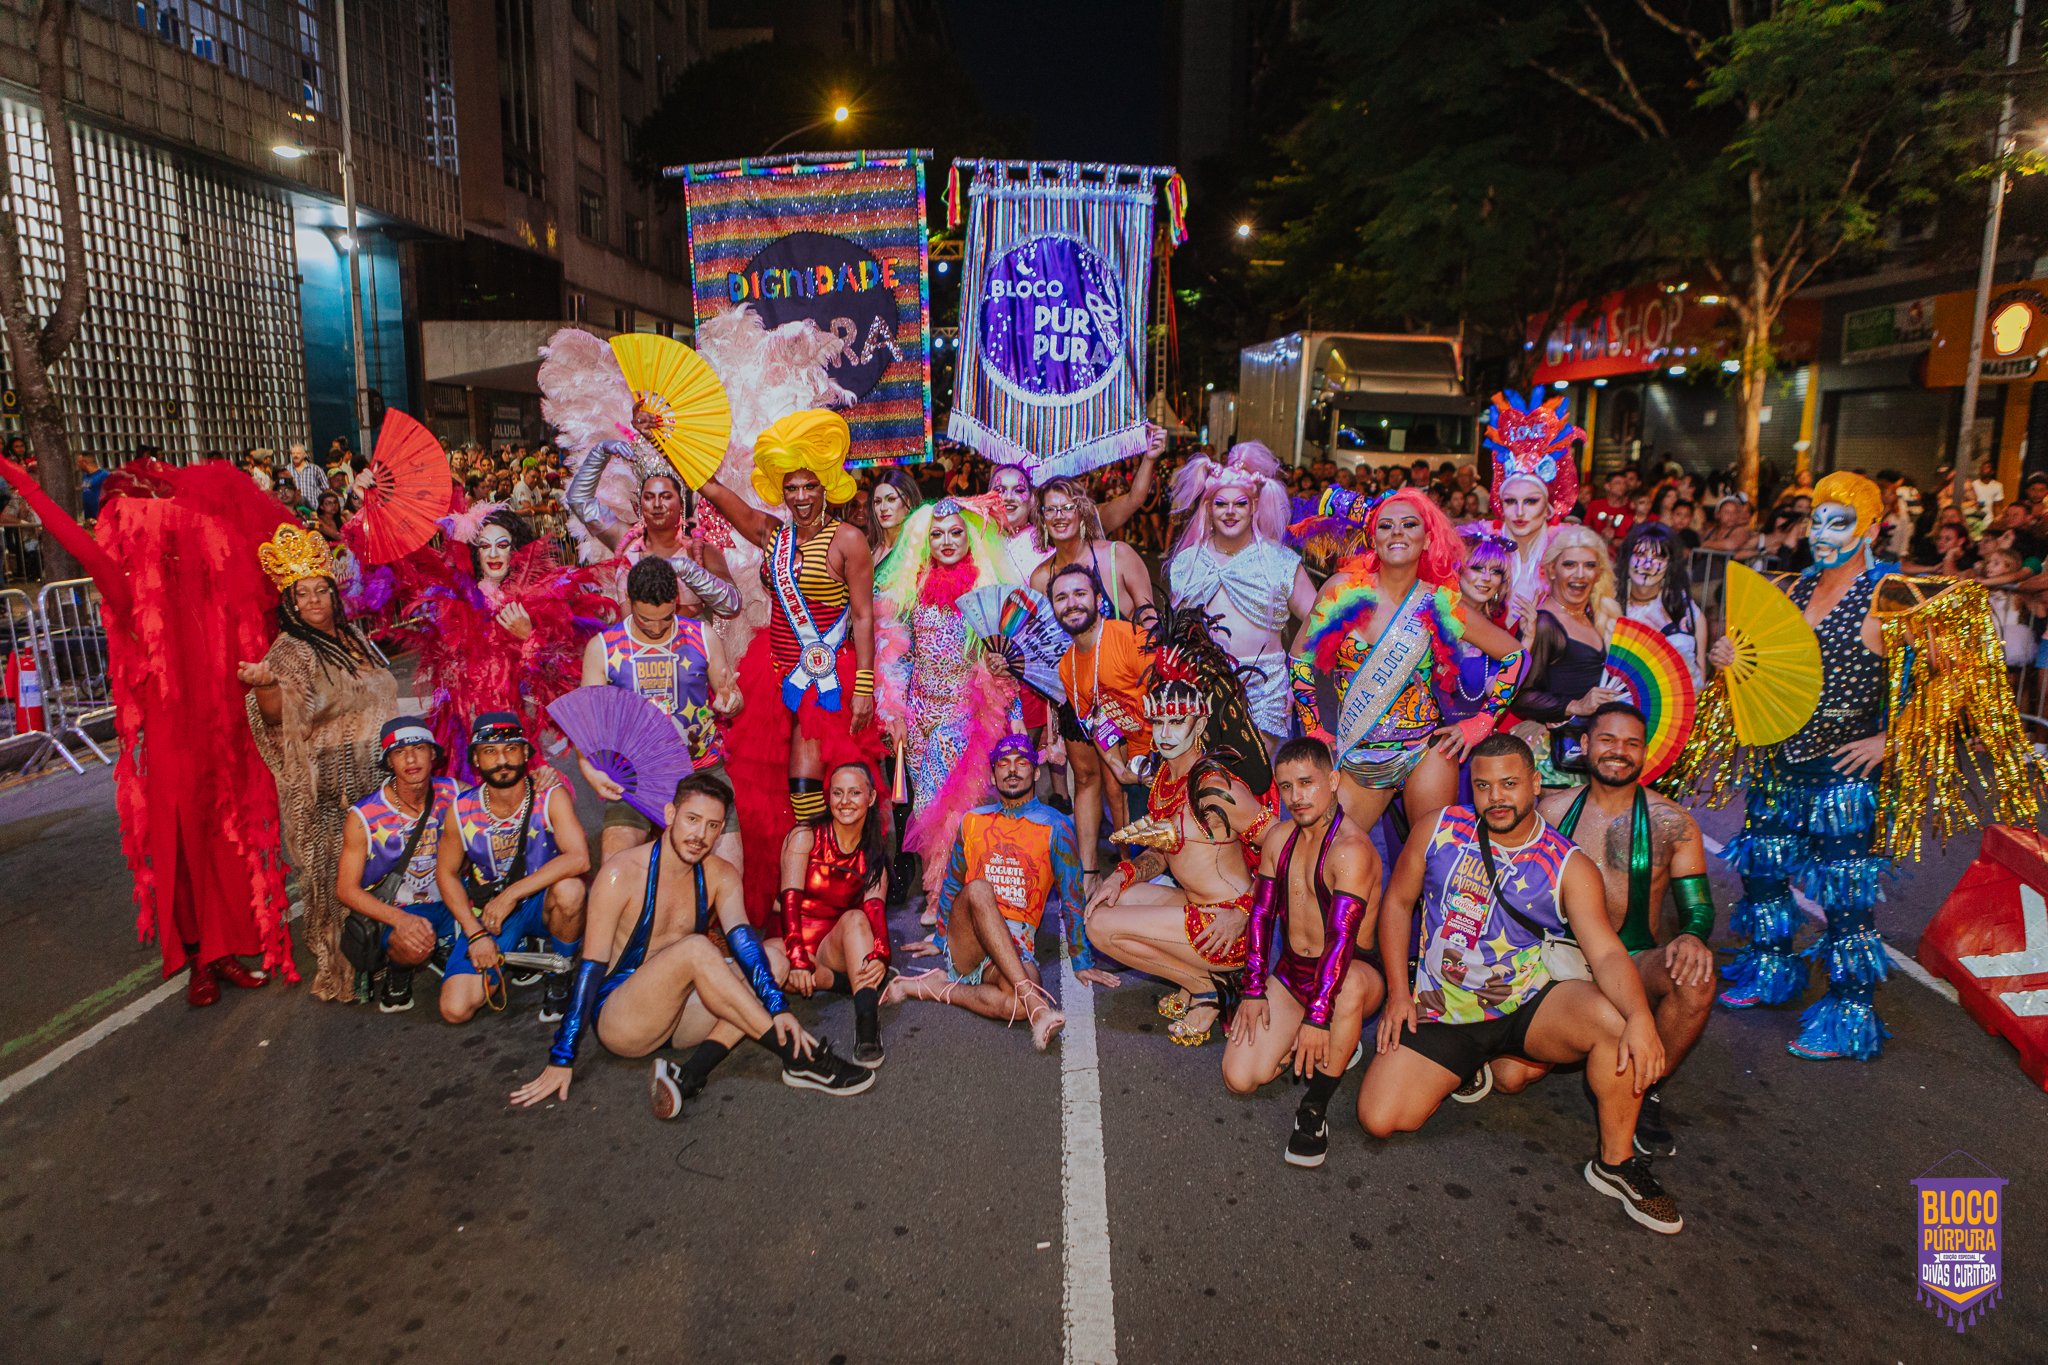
61, 632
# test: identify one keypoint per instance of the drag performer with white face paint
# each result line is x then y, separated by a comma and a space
1206, 826
1231, 565
1832, 807
1535, 483
498, 620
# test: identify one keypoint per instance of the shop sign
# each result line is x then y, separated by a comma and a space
2015, 336
1888, 330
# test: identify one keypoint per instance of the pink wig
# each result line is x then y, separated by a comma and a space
1446, 548
1249, 466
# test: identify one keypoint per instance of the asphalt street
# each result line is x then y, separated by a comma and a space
278, 1179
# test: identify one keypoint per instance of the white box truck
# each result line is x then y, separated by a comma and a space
1357, 398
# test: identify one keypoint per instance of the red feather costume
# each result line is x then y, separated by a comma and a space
184, 600
468, 663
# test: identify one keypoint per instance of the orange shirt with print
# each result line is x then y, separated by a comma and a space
1112, 674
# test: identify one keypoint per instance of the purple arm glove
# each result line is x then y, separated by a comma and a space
1265, 895
1346, 912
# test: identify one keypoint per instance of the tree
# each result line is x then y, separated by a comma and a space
34, 346
1799, 129
741, 102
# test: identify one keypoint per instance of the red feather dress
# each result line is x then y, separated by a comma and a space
184, 601
468, 663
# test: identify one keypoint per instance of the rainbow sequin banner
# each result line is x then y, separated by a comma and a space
1052, 312
836, 240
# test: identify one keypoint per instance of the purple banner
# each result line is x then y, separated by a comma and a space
1961, 1235
1051, 321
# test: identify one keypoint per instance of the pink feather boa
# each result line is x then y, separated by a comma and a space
931, 834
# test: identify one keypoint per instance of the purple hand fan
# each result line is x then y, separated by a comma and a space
629, 739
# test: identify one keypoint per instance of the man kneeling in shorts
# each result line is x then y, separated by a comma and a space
1322, 883
1494, 881
651, 975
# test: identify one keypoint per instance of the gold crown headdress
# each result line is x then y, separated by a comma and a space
294, 553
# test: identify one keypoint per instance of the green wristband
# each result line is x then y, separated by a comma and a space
1696, 899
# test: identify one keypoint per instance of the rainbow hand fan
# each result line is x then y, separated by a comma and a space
1774, 683
678, 403
1020, 623
628, 738
1651, 674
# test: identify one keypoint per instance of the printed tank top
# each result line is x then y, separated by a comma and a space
388, 827
675, 675
1477, 962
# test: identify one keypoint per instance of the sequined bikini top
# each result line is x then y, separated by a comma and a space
1853, 682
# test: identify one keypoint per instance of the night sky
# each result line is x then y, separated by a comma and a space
1085, 72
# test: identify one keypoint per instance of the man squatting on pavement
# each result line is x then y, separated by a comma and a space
1495, 881
654, 977
1308, 1004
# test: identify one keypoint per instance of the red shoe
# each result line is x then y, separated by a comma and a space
231, 970
204, 987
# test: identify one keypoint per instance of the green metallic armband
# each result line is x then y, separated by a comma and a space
1696, 899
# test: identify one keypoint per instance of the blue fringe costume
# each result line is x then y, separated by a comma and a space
1810, 827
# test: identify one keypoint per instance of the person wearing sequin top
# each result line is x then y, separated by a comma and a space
1812, 811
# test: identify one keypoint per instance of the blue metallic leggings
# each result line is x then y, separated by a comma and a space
1809, 827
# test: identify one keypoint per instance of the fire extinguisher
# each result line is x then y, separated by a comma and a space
25, 686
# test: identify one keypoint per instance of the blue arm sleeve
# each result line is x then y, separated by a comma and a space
746, 950
581, 1013
956, 881
1066, 866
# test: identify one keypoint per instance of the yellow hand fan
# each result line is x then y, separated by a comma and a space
678, 403
1774, 683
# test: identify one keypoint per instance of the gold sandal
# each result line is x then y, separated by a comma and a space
1182, 1034
1174, 1006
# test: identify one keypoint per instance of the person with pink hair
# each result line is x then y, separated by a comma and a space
1386, 630
1230, 564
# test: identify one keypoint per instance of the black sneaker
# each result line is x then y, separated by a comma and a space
438, 963
1652, 1137
554, 997
395, 995
826, 1070
867, 1043
524, 976
1476, 1089
1642, 1198
1311, 1140
668, 1085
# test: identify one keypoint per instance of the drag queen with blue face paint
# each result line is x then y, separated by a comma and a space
1832, 807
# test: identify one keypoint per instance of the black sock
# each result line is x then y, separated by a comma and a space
786, 1051
1321, 1086
698, 1069
867, 1005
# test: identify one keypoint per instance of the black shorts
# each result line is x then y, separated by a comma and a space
1461, 1048
1070, 725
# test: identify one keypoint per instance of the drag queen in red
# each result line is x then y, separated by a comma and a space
499, 623
835, 882
183, 599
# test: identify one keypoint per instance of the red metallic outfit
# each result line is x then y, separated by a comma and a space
833, 883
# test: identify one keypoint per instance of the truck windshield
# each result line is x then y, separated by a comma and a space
1423, 433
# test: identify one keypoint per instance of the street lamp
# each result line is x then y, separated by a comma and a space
839, 114
1244, 231
294, 152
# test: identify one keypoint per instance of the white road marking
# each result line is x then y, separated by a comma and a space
114, 1023
1900, 960
1088, 1303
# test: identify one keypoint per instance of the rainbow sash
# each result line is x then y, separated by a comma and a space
1401, 648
